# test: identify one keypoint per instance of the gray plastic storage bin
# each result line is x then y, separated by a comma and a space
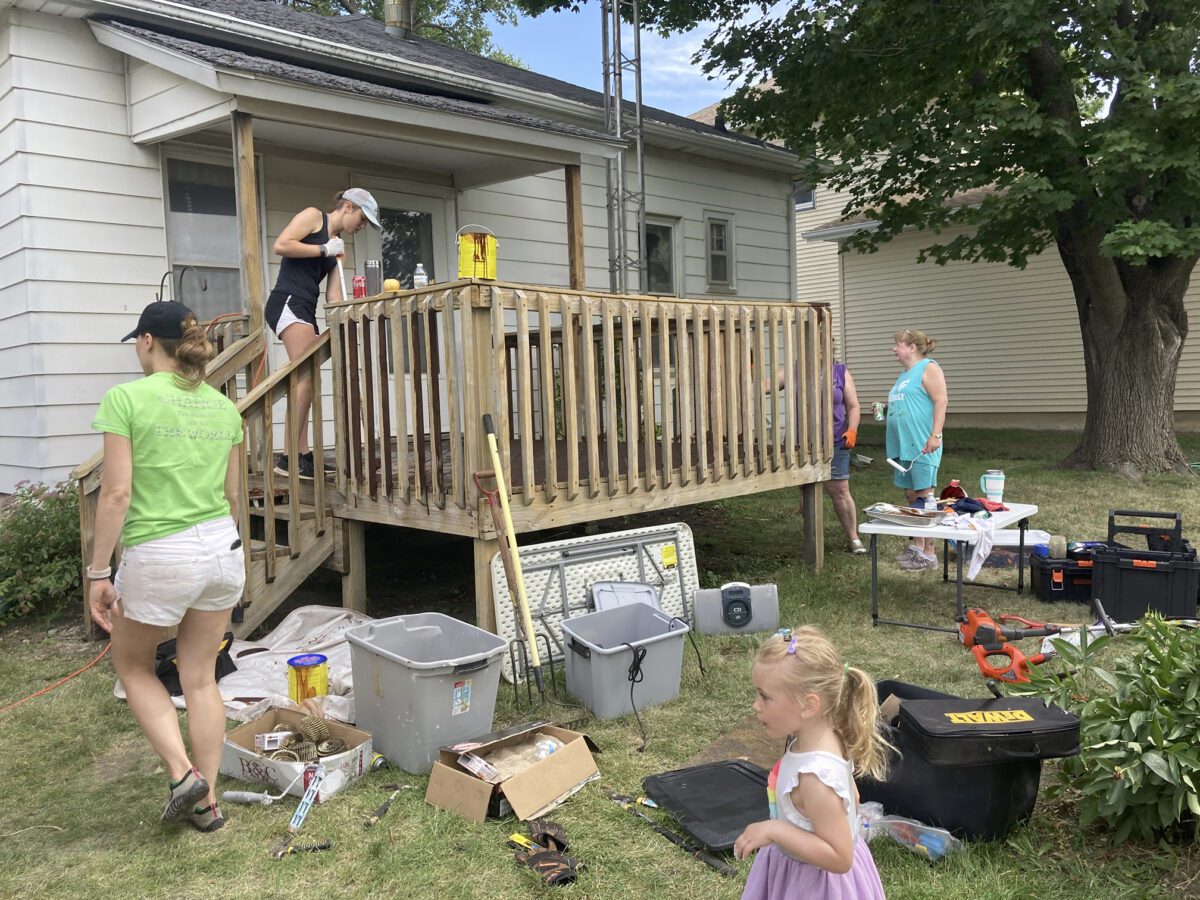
598, 662
422, 682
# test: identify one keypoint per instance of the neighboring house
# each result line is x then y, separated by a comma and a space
1008, 338
116, 167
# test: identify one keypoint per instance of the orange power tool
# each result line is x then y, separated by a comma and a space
981, 630
1017, 670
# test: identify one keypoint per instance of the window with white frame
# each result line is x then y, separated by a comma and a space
804, 195
662, 251
718, 251
202, 235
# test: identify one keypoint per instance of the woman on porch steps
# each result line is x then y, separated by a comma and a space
310, 247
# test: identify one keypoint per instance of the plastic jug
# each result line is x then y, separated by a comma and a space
992, 484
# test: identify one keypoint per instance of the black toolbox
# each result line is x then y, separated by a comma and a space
1061, 580
1130, 582
970, 766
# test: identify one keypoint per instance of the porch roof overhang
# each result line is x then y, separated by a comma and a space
839, 231
311, 110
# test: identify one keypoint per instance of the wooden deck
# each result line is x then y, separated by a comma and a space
604, 405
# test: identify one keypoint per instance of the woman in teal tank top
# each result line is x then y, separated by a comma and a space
916, 412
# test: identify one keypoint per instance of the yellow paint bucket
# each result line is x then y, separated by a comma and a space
308, 676
476, 253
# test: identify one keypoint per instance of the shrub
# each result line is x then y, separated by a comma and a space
1138, 770
39, 549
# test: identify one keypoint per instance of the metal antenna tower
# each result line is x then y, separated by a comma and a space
626, 262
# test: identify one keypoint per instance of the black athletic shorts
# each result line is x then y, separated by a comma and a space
290, 309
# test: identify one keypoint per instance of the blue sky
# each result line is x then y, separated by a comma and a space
567, 45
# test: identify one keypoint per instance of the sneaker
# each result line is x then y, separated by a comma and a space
919, 561
909, 552
207, 818
304, 465
184, 794
329, 467
857, 547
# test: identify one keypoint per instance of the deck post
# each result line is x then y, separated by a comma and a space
574, 180
814, 525
249, 222
485, 612
354, 560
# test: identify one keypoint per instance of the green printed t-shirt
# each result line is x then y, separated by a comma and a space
181, 441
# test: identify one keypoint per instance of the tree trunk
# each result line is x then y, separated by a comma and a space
1133, 325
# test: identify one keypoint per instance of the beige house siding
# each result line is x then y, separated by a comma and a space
818, 274
1008, 339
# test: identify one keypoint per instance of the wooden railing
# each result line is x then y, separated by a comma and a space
261, 485
604, 404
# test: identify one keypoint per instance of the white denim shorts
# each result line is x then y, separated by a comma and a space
197, 568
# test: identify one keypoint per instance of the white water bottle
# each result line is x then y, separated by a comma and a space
420, 277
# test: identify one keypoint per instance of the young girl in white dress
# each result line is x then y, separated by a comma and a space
830, 712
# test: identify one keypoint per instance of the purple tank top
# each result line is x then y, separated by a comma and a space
839, 403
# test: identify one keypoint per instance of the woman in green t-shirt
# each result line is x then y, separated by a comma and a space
169, 493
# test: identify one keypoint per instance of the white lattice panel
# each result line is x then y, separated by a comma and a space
559, 576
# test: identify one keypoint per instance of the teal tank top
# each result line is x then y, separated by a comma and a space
910, 417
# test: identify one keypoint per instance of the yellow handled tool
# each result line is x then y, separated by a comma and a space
509, 539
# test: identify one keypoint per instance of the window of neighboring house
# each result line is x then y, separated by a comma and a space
718, 252
202, 237
804, 195
661, 253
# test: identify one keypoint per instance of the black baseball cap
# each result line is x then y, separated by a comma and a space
163, 319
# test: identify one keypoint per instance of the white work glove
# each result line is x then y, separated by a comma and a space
335, 247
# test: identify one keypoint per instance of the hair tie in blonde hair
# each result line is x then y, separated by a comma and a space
845, 669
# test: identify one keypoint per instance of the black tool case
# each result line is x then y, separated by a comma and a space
1165, 577
713, 802
972, 767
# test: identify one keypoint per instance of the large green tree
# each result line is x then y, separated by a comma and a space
458, 23
1081, 116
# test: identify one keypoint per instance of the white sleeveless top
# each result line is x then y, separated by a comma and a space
833, 771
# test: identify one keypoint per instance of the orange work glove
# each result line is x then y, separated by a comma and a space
850, 438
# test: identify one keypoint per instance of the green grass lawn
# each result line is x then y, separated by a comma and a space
80, 791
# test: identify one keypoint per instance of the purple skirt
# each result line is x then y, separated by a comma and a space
777, 876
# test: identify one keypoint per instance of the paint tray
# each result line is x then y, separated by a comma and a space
714, 802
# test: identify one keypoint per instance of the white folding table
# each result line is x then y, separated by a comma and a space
1016, 512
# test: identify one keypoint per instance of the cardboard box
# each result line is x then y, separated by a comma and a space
530, 793
240, 760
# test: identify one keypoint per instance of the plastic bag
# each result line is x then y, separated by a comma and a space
928, 841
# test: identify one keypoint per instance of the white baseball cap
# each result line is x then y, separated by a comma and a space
365, 202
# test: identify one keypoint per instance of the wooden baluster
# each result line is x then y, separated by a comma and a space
396, 324
549, 418
760, 411
732, 393
385, 400
368, 407
687, 431
524, 402
502, 384
434, 342
269, 485
591, 400
341, 417
611, 405
454, 384
293, 445
318, 444
353, 411
777, 462
789, 394
716, 393
805, 385
420, 369
649, 423
667, 417
413, 391
569, 373
701, 373
748, 390
629, 369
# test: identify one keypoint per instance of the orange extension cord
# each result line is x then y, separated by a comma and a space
46, 690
